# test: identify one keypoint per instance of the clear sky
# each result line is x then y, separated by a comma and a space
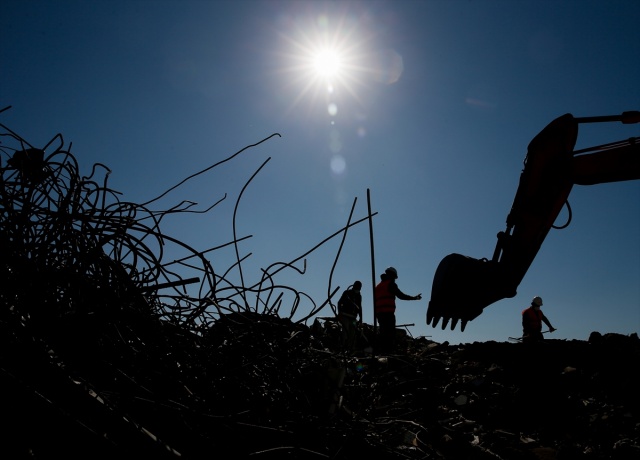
429, 106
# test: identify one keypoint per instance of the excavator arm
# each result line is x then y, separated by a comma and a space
463, 286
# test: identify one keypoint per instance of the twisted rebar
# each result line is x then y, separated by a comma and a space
62, 227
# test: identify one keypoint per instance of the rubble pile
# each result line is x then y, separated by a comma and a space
264, 387
104, 354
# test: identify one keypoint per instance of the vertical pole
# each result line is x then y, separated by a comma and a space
373, 261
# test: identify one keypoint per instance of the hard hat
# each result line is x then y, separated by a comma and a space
391, 271
537, 301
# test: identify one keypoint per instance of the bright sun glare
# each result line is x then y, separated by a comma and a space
327, 63
324, 56
332, 58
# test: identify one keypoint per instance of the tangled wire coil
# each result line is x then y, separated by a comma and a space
70, 245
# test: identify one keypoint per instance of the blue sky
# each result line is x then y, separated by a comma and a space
431, 111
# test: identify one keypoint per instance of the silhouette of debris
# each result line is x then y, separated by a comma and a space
106, 355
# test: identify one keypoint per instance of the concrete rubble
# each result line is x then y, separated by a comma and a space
263, 387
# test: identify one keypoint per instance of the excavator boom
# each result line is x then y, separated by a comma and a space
463, 286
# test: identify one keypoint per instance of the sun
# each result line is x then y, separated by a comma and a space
323, 57
327, 61
327, 64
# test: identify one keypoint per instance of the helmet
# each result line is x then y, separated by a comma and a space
392, 271
537, 301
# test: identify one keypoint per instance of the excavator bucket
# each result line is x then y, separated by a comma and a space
463, 287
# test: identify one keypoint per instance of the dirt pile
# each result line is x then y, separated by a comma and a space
105, 354
263, 387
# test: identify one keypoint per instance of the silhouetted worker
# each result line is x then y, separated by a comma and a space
349, 313
385, 295
532, 319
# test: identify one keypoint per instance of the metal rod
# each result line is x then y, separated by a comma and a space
629, 117
157, 287
373, 260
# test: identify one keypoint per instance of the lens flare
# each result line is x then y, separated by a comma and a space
326, 56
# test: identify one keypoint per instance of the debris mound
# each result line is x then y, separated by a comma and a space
106, 354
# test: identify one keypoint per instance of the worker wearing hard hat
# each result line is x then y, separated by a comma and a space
532, 319
384, 302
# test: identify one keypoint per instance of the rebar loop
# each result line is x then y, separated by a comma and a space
62, 228
90, 293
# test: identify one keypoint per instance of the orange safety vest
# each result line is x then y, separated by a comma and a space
385, 300
531, 320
